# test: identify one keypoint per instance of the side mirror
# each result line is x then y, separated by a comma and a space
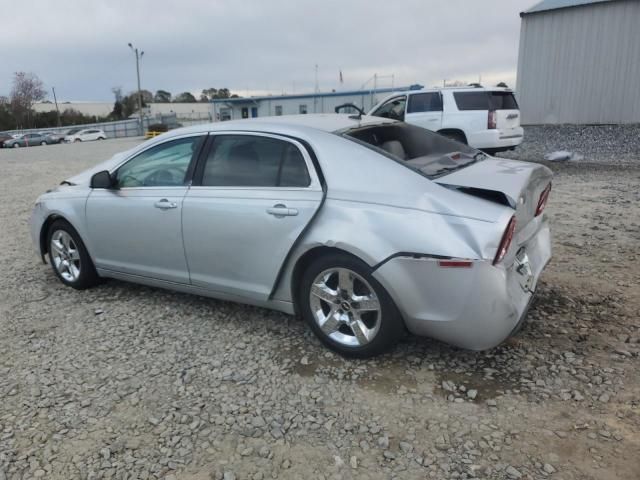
102, 179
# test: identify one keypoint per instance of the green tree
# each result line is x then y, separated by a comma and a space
162, 96
185, 97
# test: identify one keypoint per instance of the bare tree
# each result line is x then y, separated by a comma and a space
27, 89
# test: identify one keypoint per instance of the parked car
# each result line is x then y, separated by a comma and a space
53, 137
85, 135
365, 226
4, 137
484, 118
27, 140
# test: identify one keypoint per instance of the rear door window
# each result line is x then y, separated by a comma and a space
254, 161
425, 102
471, 100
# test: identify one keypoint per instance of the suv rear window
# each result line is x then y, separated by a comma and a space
420, 149
503, 101
485, 101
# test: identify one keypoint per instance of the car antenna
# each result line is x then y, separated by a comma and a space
351, 105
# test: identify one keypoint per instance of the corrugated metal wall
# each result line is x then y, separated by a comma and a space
581, 65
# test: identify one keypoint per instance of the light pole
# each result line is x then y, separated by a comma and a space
138, 57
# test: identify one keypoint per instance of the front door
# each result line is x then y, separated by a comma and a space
252, 197
136, 228
254, 112
425, 110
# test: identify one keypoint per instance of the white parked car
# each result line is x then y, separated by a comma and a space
86, 135
484, 118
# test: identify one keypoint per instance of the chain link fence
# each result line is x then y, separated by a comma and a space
130, 127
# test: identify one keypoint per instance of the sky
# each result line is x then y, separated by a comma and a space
256, 47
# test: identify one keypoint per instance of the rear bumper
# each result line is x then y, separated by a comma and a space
496, 139
475, 308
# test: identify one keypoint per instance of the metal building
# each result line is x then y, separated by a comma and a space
274, 105
579, 62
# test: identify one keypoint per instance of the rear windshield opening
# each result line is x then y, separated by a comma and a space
428, 152
485, 100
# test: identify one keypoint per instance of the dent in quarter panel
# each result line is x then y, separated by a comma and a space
375, 232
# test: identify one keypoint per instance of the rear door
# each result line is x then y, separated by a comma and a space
252, 196
425, 110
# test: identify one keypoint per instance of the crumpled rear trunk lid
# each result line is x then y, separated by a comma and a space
520, 184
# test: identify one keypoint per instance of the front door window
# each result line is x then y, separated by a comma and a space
392, 108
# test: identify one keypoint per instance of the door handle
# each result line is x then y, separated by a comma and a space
165, 204
279, 211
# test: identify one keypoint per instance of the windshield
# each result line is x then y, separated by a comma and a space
425, 151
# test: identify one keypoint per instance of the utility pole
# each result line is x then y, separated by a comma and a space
55, 100
138, 57
315, 94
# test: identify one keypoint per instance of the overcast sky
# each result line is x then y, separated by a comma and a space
257, 46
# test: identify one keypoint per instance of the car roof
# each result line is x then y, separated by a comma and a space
288, 124
457, 89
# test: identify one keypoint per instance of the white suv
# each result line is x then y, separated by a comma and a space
484, 118
86, 135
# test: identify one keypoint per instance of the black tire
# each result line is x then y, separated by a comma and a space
391, 325
457, 136
87, 277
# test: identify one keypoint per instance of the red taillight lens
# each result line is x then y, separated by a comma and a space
491, 120
455, 263
542, 202
505, 243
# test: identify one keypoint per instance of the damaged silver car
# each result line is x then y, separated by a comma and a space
366, 227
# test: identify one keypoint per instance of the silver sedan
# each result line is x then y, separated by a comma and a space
364, 226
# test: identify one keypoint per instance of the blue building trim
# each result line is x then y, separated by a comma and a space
314, 95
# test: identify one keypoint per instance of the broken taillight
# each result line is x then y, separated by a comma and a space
542, 202
505, 243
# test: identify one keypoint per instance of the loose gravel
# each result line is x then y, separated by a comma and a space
610, 144
129, 382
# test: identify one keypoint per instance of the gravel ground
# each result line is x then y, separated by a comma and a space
611, 144
128, 382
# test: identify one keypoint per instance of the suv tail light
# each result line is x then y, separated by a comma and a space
542, 202
491, 120
505, 243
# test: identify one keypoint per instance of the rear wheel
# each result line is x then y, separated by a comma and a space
69, 257
43, 143
349, 311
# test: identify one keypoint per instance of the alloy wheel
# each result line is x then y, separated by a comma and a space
345, 307
65, 255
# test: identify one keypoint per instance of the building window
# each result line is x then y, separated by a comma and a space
245, 112
303, 109
278, 110
225, 114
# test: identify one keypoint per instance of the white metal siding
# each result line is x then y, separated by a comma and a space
581, 65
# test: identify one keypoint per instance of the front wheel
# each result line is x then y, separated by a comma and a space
77, 140
43, 143
16, 145
69, 257
349, 311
